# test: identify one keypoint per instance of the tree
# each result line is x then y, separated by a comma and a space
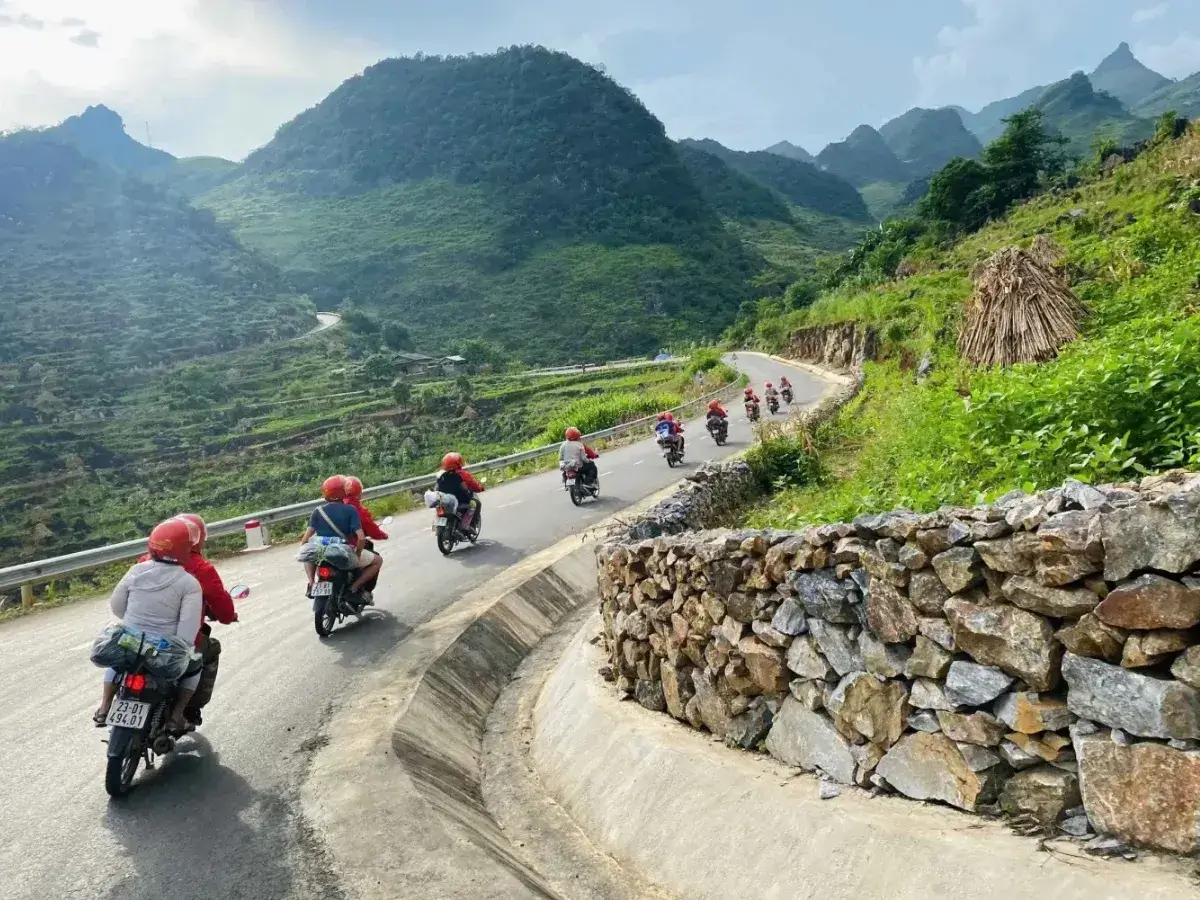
953, 194
396, 337
402, 392
378, 367
1020, 160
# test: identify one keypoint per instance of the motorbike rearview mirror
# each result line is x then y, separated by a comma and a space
387, 520
239, 591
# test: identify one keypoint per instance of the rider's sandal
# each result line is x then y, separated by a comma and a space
100, 718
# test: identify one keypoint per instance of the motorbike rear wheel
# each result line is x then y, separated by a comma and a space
576, 494
124, 757
325, 616
445, 540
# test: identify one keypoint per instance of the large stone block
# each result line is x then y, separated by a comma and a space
1058, 603
1029, 713
890, 614
1163, 534
1151, 601
1019, 642
931, 767
1136, 703
1044, 792
876, 710
1147, 794
801, 737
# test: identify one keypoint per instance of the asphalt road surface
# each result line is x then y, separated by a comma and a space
220, 818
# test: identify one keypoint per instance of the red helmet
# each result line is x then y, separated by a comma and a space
334, 487
173, 539
768, 384
452, 462
662, 417
573, 433
669, 417
198, 522
354, 487
714, 404
748, 391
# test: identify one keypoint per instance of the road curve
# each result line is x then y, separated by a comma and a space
221, 819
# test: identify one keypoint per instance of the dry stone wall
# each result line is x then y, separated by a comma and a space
1038, 655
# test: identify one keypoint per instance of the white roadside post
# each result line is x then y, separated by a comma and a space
257, 536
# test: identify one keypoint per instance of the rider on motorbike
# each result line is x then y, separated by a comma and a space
218, 605
460, 484
160, 599
575, 453
784, 383
770, 393
336, 520
668, 427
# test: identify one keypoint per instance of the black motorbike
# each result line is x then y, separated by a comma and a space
671, 451
772, 405
449, 531
718, 427
787, 395
578, 487
752, 412
332, 599
139, 719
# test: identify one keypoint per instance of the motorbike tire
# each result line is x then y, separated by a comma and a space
445, 541
325, 616
576, 494
124, 757
476, 527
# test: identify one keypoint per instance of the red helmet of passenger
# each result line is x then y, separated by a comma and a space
768, 384
662, 417
173, 540
573, 433
669, 417
198, 522
714, 404
354, 487
452, 462
334, 488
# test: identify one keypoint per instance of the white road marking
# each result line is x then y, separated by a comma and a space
605, 474
639, 462
507, 505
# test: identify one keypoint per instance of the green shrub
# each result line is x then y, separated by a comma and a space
591, 414
782, 461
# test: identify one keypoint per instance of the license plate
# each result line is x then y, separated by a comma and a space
322, 589
441, 520
570, 482
128, 713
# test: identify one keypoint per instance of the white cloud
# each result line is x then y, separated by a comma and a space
1178, 59
1150, 13
209, 76
992, 56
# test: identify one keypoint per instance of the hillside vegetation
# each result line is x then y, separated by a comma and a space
1117, 403
259, 428
522, 192
104, 273
926, 139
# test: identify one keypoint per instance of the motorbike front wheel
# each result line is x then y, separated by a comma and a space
124, 757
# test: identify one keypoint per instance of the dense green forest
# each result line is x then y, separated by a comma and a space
104, 274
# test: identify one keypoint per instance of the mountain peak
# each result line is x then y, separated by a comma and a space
1125, 77
99, 133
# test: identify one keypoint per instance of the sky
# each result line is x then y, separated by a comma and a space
217, 77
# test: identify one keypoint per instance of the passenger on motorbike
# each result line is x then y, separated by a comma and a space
218, 605
160, 599
668, 427
748, 396
354, 489
770, 393
337, 520
784, 383
575, 453
716, 409
460, 484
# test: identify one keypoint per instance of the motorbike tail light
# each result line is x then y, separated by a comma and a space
441, 512
135, 682
325, 572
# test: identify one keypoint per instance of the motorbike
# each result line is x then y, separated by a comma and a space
718, 427
772, 405
578, 488
670, 451
787, 395
448, 529
752, 412
332, 599
139, 717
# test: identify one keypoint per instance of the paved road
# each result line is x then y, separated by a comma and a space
221, 819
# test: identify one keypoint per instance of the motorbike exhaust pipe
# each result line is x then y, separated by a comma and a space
163, 744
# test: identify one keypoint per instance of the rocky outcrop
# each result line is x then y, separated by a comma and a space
845, 346
968, 656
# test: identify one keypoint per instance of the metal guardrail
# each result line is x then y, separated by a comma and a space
26, 575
